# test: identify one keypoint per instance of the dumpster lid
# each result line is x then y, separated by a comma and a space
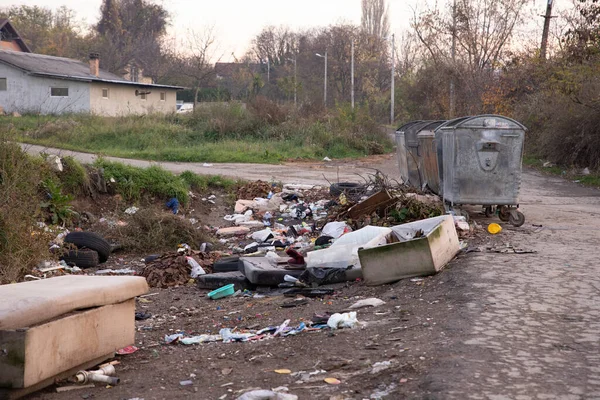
432, 125
407, 125
489, 121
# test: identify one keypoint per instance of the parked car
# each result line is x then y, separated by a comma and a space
183, 108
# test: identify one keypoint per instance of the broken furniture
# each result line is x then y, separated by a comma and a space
54, 327
422, 248
261, 271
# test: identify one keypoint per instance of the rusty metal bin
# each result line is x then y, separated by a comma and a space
428, 157
408, 152
481, 160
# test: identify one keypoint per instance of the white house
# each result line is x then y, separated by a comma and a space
36, 83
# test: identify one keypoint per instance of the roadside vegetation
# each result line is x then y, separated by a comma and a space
36, 202
263, 132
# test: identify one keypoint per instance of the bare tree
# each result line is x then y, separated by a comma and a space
375, 18
196, 63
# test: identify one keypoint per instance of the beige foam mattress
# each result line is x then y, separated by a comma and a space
30, 303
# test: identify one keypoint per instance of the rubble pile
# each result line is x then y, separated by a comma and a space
255, 189
174, 269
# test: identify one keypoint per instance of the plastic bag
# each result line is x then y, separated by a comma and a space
335, 229
345, 320
197, 270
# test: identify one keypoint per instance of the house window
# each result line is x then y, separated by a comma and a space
105, 93
143, 96
2, 84
163, 96
59, 92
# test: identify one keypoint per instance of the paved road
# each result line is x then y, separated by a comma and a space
528, 326
301, 172
524, 326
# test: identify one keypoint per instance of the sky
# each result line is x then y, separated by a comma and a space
236, 22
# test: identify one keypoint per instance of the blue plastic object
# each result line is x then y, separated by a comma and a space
173, 205
224, 291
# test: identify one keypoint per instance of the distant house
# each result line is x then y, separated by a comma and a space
10, 38
37, 83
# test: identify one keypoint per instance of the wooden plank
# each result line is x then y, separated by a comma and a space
59, 345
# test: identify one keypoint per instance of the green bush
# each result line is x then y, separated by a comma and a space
132, 182
22, 244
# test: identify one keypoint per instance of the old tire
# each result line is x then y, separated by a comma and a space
516, 218
83, 258
92, 241
350, 188
503, 213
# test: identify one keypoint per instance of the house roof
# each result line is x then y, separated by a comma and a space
7, 26
64, 68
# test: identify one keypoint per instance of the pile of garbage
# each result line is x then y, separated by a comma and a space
176, 268
227, 335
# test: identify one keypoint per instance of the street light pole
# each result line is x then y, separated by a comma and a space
393, 82
352, 75
295, 60
325, 79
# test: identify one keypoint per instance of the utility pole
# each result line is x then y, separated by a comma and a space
295, 59
452, 91
547, 18
325, 79
295, 81
352, 75
393, 78
268, 70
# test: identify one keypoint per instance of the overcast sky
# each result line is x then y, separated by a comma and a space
238, 21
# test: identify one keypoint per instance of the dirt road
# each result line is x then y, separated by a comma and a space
490, 326
297, 172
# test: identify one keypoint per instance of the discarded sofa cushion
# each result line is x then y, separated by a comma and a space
260, 271
220, 279
227, 264
29, 303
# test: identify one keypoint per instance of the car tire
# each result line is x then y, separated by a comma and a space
83, 258
350, 188
92, 241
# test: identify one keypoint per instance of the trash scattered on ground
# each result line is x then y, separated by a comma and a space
127, 350
494, 228
346, 320
283, 371
332, 381
508, 248
371, 302
266, 395
131, 210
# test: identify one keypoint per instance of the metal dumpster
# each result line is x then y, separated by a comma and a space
428, 158
402, 150
481, 163
408, 155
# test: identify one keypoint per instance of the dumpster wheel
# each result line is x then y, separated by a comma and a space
503, 213
489, 211
516, 218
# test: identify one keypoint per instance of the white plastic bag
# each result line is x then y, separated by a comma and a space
335, 229
345, 320
197, 270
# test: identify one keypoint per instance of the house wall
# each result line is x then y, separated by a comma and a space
122, 100
9, 45
31, 94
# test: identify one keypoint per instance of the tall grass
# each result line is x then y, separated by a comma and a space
261, 133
